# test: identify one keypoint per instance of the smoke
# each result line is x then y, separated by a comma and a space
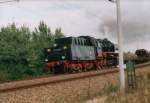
132, 30
135, 22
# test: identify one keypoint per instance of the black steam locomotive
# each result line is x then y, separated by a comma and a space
74, 54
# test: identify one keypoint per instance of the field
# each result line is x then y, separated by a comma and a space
141, 94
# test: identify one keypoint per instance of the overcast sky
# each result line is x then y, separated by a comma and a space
84, 17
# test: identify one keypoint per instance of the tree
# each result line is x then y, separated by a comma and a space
22, 51
13, 51
58, 33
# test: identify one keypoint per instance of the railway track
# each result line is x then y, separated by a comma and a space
22, 84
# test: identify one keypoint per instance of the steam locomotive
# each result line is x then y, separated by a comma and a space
77, 54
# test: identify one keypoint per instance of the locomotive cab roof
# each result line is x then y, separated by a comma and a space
105, 44
71, 40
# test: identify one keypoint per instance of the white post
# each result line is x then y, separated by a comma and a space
120, 43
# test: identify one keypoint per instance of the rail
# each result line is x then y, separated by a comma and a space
22, 84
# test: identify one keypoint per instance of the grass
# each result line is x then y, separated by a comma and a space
108, 88
139, 95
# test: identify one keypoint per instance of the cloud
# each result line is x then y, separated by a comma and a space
68, 15
135, 24
84, 17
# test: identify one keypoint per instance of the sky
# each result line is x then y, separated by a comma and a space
95, 18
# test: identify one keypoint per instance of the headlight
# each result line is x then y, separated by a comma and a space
65, 47
55, 45
46, 60
63, 57
48, 50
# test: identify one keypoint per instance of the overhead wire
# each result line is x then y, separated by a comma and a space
8, 1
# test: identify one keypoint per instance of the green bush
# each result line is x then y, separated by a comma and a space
22, 50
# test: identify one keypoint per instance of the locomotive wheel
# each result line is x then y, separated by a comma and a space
66, 70
70, 71
59, 69
52, 70
75, 70
84, 69
99, 67
94, 67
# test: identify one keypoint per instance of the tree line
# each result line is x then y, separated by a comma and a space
22, 50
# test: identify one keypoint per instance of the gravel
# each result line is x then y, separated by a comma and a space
63, 92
